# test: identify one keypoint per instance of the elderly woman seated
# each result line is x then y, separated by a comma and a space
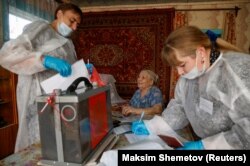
147, 98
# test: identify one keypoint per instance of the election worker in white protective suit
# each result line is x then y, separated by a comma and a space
42, 50
212, 94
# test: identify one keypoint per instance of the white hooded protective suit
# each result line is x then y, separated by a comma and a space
216, 104
22, 56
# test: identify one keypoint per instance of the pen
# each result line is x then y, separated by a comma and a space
142, 114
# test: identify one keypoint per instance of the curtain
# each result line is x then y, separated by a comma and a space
179, 21
230, 27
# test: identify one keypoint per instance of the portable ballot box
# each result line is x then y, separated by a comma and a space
72, 125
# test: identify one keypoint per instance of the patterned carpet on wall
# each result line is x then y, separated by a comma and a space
122, 43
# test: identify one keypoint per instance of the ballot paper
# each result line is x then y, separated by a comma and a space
125, 119
128, 119
122, 129
135, 139
59, 82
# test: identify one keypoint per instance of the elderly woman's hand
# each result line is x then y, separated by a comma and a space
127, 110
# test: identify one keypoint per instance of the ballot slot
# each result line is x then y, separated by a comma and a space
85, 122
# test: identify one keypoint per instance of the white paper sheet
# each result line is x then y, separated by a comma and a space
135, 139
58, 82
158, 126
122, 129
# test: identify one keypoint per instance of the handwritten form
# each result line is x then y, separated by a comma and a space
59, 82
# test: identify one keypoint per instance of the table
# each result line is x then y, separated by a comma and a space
31, 155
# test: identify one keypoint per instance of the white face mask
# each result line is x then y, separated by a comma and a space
64, 29
194, 73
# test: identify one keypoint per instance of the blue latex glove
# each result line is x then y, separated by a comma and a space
212, 36
192, 145
139, 128
90, 68
57, 64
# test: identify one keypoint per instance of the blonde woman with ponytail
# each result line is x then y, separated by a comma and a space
212, 94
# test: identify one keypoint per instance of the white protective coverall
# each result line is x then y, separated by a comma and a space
216, 104
22, 56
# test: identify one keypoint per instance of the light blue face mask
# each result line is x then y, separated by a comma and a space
194, 73
64, 29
